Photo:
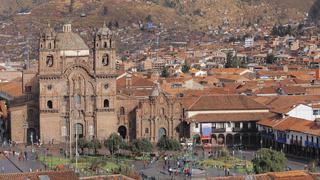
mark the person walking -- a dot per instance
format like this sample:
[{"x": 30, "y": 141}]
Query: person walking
[{"x": 25, "y": 155}]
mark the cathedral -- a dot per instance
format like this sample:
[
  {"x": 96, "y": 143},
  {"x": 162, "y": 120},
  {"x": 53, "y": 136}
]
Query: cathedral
[
  {"x": 77, "y": 85},
  {"x": 76, "y": 91}
]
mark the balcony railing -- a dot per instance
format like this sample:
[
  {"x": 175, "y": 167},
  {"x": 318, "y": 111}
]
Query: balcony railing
[
  {"x": 311, "y": 144},
  {"x": 282, "y": 140},
  {"x": 218, "y": 130},
  {"x": 296, "y": 142}
]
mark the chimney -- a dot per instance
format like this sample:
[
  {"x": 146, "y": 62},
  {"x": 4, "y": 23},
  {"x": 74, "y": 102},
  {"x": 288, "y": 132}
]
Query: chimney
[{"x": 128, "y": 80}]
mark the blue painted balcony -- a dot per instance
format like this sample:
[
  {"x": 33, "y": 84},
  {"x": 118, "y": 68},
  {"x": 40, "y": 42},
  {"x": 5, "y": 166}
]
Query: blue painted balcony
[
  {"x": 311, "y": 144},
  {"x": 282, "y": 140}
]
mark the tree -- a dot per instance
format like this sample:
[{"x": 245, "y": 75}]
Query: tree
[
  {"x": 94, "y": 144},
  {"x": 114, "y": 143},
  {"x": 165, "y": 72},
  {"x": 141, "y": 145},
  {"x": 82, "y": 143},
  {"x": 270, "y": 59},
  {"x": 167, "y": 144},
  {"x": 185, "y": 68},
  {"x": 233, "y": 61},
  {"x": 267, "y": 160}
]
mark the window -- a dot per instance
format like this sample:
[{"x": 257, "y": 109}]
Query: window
[
  {"x": 106, "y": 103},
  {"x": 49, "y": 87},
  {"x": 316, "y": 112},
  {"x": 49, "y": 60},
  {"x": 105, "y": 60},
  {"x": 237, "y": 125},
  {"x": 162, "y": 111},
  {"x": 105, "y": 45},
  {"x": 50, "y": 46},
  {"x": 197, "y": 125},
  {"x": 49, "y": 104},
  {"x": 146, "y": 130}
]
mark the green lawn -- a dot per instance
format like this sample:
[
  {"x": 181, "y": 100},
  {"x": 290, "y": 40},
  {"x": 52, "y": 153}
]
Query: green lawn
[
  {"x": 230, "y": 162},
  {"x": 52, "y": 161}
]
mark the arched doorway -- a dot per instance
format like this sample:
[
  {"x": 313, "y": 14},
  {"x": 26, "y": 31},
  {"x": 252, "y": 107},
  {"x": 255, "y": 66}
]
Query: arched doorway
[
  {"x": 214, "y": 139},
  {"x": 78, "y": 130},
  {"x": 221, "y": 139},
  {"x": 162, "y": 132},
  {"x": 31, "y": 136},
  {"x": 122, "y": 130},
  {"x": 245, "y": 139},
  {"x": 237, "y": 139},
  {"x": 184, "y": 130},
  {"x": 229, "y": 139}
]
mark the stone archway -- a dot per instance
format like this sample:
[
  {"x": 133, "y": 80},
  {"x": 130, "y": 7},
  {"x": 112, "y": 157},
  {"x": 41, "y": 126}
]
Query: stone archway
[
  {"x": 214, "y": 139},
  {"x": 245, "y": 139},
  {"x": 162, "y": 132},
  {"x": 221, "y": 139},
  {"x": 229, "y": 139},
  {"x": 122, "y": 130},
  {"x": 237, "y": 139}
]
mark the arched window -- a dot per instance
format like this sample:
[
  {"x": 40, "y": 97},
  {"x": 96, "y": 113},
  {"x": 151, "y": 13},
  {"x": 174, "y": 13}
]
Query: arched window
[
  {"x": 105, "y": 60},
  {"x": 49, "y": 104},
  {"x": 49, "y": 60},
  {"x": 162, "y": 111},
  {"x": 110, "y": 43},
  {"x": 122, "y": 111},
  {"x": 105, "y": 45},
  {"x": 50, "y": 46},
  {"x": 106, "y": 103}
]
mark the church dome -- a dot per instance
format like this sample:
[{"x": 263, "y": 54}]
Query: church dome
[{"x": 67, "y": 40}]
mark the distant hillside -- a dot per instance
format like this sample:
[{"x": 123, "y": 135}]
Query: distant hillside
[
  {"x": 314, "y": 12},
  {"x": 184, "y": 13}
]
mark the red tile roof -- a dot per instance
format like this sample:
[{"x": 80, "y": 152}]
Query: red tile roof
[
  {"x": 226, "y": 102},
  {"x": 53, "y": 175}
]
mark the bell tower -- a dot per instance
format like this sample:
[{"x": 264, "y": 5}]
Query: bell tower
[
  {"x": 104, "y": 51},
  {"x": 47, "y": 52}
]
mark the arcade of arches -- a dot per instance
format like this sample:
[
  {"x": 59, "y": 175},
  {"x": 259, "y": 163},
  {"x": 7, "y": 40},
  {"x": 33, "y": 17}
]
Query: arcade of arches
[{"x": 246, "y": 139}]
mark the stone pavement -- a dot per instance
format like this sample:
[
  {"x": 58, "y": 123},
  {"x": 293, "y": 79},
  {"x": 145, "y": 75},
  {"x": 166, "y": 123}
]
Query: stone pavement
[{"x": 11, "y": 164}]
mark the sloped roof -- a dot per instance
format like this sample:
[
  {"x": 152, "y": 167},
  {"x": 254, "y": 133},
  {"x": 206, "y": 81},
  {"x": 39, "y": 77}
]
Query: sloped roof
[
  {"x": 13, "y": 88},
  {"x": 56, "y": 175},
  {"x": 226, "y": 102},
  {"x": 136, "y": 82}
]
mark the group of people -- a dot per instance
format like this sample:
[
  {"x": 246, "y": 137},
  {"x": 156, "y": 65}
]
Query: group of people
[{"x": 180, "y": 164}]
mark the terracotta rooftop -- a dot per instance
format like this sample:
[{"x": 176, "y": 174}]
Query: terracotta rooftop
[
  {"x": 286, "y": 175},
  {"x": 284, "y": 103},
  {"x": 135, "y": 81},
  {"x": 226, "y": 102},
  {"x": 53, "y": 175},
  {"x": 13, "y": 88}
]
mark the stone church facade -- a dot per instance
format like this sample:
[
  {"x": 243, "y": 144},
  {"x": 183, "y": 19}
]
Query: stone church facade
[
  {"x": 77, "y": 86},
  {"x": 76, "y": 90}
]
